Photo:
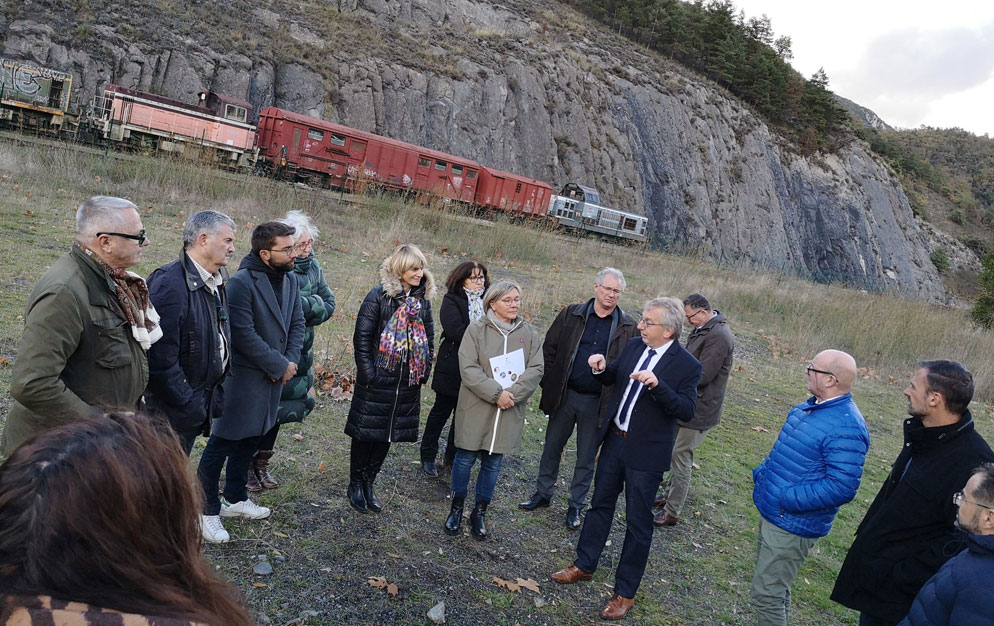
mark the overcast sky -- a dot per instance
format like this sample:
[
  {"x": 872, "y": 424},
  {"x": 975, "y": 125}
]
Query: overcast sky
[{"x": 911, "y": 62}]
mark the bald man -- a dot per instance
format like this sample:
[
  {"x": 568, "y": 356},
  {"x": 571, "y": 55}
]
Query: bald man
[{"x": 814, "y": 467}]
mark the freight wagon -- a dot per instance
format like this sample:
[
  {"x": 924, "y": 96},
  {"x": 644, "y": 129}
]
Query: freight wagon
[{"x": 33, "y": 98}]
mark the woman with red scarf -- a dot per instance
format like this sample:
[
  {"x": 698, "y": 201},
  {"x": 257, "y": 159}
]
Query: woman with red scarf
[{"x": 394, "y": 344}]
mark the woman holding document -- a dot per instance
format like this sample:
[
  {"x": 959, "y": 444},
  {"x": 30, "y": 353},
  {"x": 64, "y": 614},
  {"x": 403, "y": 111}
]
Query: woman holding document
[{"x": 500, "y": 360}]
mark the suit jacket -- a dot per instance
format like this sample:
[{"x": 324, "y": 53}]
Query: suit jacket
[
  {"x": 653, "y": 424},
  {"x": 266, "y": 336}
]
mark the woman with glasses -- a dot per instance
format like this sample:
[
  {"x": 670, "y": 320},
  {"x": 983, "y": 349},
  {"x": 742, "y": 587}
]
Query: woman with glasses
[
  {"x": 500, "y": 361},
  {"x": 317, "y": 303},
  {"x": 462, "y": 304},
  {"x": 394, "y": 344}
]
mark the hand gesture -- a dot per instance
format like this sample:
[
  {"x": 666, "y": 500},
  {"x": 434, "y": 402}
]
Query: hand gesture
[
  {"x": 646, "y": 377},
  {"x": 597, "y": 362},
  {"x": 291, "y": 371},
  {"x": 505, "y": 400}
]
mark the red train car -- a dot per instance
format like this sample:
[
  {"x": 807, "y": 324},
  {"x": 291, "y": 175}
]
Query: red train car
[
  {"x": 510, "y": 192},
  {"x": 340, "y": 156}
]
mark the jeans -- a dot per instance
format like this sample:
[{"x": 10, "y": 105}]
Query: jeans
[
  {"x": 238, "y": 453},
  {"x": 486, "y": 479},
  {"x": 779, "y": 554},
  {"x": 581, "y": 410},
  {"x": 437, "y": 416}
]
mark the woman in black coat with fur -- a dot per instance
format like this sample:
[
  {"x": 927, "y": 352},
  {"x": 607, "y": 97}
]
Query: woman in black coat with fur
[
  {"x": 465, "y": 284},
  {"x": 394, "y": 348}
]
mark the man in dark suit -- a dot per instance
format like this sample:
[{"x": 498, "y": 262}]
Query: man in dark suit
[
  {"x": 655, "y": 384},
  {"x": 267, "y": 332}
]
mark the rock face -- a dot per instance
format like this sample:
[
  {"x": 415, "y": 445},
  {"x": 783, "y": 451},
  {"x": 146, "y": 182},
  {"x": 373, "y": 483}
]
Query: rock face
[{"x": 537, "y": 90}]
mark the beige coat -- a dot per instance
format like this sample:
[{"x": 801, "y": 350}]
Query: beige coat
[{"x": 476, "y": 411}]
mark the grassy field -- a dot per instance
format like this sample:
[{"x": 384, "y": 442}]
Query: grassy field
[{"x": 323, "y": 552}]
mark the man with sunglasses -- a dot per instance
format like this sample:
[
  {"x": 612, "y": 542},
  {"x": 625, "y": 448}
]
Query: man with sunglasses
[
  {"x": 815, "y": 467},
  {"x": 962, "y": 591},
  {"x": 87, "y": 327},
  {"x": 909, "y": 532},
  {"x": 187, "y": 366}
]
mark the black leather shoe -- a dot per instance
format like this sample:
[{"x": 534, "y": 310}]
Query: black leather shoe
[
  {"x": 428, "y": 467},
  {"x": 573, "y": 518},
  {"x": 537, "y": 501},
  {"x": 454, "y": 519},
  {"x": 356, "y": 499}
]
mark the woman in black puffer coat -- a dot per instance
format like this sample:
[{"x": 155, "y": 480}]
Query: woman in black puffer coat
[{"x": 394, "y": 347}]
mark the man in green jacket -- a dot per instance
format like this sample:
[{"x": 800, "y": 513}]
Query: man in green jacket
[{"x": 87, "y": 328}]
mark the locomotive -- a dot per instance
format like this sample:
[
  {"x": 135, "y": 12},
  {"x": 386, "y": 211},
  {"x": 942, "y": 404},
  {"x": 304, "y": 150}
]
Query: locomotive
[{"x": 296, "y": 147}]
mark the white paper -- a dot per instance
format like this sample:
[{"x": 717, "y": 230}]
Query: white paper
[{"x": 507, "y": 368}]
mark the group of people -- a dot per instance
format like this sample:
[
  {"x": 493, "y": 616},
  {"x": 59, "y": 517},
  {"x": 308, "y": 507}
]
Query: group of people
[{"x": 230, "y": 357}]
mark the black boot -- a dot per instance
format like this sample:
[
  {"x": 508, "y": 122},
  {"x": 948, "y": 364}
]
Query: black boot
[
  {"x": 476, "y": 525},
  {"x": 372, "y": 501},
  {"x": 356, "y": 497},
  {"x": 454, "y": 519}
]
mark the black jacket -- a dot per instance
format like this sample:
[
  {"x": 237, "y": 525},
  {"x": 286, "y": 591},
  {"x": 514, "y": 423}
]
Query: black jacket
[
  {"x": 908, "y": 531},
  {"x": 454, "y": 317},
  {"x": 559, "y": 350},
  {"x": 384, "y": 406},
  {"x": 185, "y": 368}
]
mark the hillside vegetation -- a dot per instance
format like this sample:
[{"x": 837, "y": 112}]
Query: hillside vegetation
[{"x": 323, "y": 552}]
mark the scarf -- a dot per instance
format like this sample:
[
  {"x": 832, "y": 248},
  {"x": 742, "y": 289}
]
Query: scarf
[
  {"x": 475, "y": 297},
  {"x": 132, "y": 295},
  {"x": 404, "y": 335}
]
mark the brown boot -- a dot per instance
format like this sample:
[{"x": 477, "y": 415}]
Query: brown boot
[
  {"x": 252, "y": 484},
  {"x": 262, "y": 469}
]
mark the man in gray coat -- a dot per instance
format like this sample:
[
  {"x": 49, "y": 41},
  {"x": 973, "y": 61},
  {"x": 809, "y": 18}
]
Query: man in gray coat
[
  {"x": 267, "y": 331},
  {"x": 710, "y": 343}
]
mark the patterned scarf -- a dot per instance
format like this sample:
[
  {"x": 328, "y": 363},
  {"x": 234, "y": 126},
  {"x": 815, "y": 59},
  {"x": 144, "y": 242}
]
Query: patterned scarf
[
  {"x": 475, "y": 303},
  {"x": 404, "y": 335},
  {"x": 132, "y": 295}
]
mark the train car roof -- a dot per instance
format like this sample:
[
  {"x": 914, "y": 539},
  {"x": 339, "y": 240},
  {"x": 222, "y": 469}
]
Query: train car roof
[
  {"x": 518, "y": 177},
  {"x": 157, "y": 98},
  {"x": 348, "y": 130}
]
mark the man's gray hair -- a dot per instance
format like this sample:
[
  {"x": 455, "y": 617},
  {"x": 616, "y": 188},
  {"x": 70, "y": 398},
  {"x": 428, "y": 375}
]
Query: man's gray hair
[
  {"x": 204, "y": 222},
  {"x": 610, "y": 271},
  {"x": 672, "y": 318},
  {"x": 300, "y": 223},
  {"x": 101, "y": 213},
  {"x": 498, "y": 290}
]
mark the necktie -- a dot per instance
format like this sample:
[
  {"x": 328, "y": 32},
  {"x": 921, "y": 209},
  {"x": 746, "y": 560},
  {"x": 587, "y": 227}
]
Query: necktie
[{"x": 633, "y": 390}]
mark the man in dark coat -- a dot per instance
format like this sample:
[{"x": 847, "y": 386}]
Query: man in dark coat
[
  {"x": 908, "y": 531},
  {"x": 267, "y": 331},
  {"x": 962, "y": 592},
  {"x": 87, "y": 328},
  {"x": 655, "y": 382},
  {"x": 710, "y": 343},
  {"x": 570, "y": 395},
  {"x": 187, "y": 365}
]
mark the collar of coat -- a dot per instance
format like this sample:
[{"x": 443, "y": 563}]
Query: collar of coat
[
  {"x": 810, "y": 405},
  {"x": 981, "y": 545},
  {"x": 618, "y": 314},
  {"x": 919, "y": 435},
  {"x": 716, "y": 319},
  {"x": 392, "y": 287},
  {"x": 193, "y": 280}
]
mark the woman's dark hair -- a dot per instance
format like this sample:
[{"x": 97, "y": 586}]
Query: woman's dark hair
[
  {"x": 463, "y": 271},
  {"x": 103, "y": 511}
]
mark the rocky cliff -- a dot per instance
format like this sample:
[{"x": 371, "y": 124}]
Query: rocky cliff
[{"x": 534, "y": 89}]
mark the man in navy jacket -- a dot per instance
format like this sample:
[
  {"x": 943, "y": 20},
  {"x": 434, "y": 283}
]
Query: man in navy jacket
[
  {"x": 815, "y": 466},
  {"x": 962, "y": 592},
  {"x": 655, "y": 384}
]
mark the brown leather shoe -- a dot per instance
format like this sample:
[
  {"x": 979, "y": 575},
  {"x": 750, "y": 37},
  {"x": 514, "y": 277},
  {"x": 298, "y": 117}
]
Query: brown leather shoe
[
  {"x": 659, "y": 502},
  {"x": 663, "y": 518},
  {"x": 617, "y": 607},
  {"x": 570, "y": 575}
]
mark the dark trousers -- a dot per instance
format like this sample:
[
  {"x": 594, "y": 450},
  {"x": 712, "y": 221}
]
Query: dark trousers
[
  {"x": 865, "y": 619},
  {"x": 640, "y": 487},
  {"x": 187, "y": 439},
  {"x": 269, "y": 439},
  {"x": 366, "y": 458},
  {"x": 580, "y": 410},
  {"x": 238, "y": 453},
  {"x": 444, "y": 407}
]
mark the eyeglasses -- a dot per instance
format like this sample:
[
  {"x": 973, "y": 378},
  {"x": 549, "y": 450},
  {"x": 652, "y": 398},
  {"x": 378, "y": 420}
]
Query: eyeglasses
[
  {"x": 287, "y": 250},
  {"x": 477, "y": 279},
  {"x": 810, "y": 369},
  {"x": 611, "y": 290},
  {"x": 510, "y": 301},
  {"x": 304, "y": 245},
  {"x": 691, "y": 317},
  {"x": 647, "y": 323},
  {"x": 140, "y": 237},
  {"x": 959, "y": 499}
]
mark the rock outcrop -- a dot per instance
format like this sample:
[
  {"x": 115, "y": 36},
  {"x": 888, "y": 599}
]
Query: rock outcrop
[{"x": 536, "y": 90}]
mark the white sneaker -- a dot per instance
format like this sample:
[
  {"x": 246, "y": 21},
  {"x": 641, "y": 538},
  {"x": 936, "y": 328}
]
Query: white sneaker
[
  {"x": 213, "y": 530},
  {"x": 246, "y": 508}
]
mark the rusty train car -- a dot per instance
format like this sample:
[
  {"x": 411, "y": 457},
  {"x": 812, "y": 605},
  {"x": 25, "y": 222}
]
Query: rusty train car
[{"x": 34, "y": 98}]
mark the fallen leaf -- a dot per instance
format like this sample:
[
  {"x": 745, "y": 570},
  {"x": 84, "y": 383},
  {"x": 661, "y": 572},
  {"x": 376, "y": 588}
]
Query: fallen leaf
[
  {"x": 298, "y": 436},
  {"x": 510, "y": 585},
  {"x": 759, "y": 429},
  {"x": 29, "y": 212},
  {"x": 279, "y": 534},
  {"x": 392, "y": 555},
  {"x": 392, "y": 589},
  {"x": 530, "y": 584},
  {"x": 378, "y": 582},
  {"x": 260, "y": 585},
  {"x": 323, "y": 466}
]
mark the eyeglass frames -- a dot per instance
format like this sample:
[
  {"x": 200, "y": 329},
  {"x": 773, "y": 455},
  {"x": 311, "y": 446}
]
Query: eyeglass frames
[{"x": 140, "y": 237}]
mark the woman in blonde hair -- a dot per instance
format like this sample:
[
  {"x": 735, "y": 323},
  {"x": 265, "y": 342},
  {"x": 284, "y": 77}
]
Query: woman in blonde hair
[{"x": 394, "y": 344}]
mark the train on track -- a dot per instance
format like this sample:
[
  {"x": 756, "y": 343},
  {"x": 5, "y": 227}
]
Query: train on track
[{"x": 293, "y": 146}]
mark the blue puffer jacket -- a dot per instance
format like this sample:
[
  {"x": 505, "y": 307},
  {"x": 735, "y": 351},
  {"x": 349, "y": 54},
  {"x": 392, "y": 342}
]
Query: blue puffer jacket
[
  {"x": 814, "y": 468},
  {"x": 962, "y": 592}
]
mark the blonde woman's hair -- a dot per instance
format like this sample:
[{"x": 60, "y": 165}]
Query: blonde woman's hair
[{"x": 407, "y": 256}]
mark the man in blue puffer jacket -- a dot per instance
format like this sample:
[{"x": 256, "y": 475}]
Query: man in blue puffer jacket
[
  {"x": 962, "y": 592},
  {"x": 814, "y": 468}
]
